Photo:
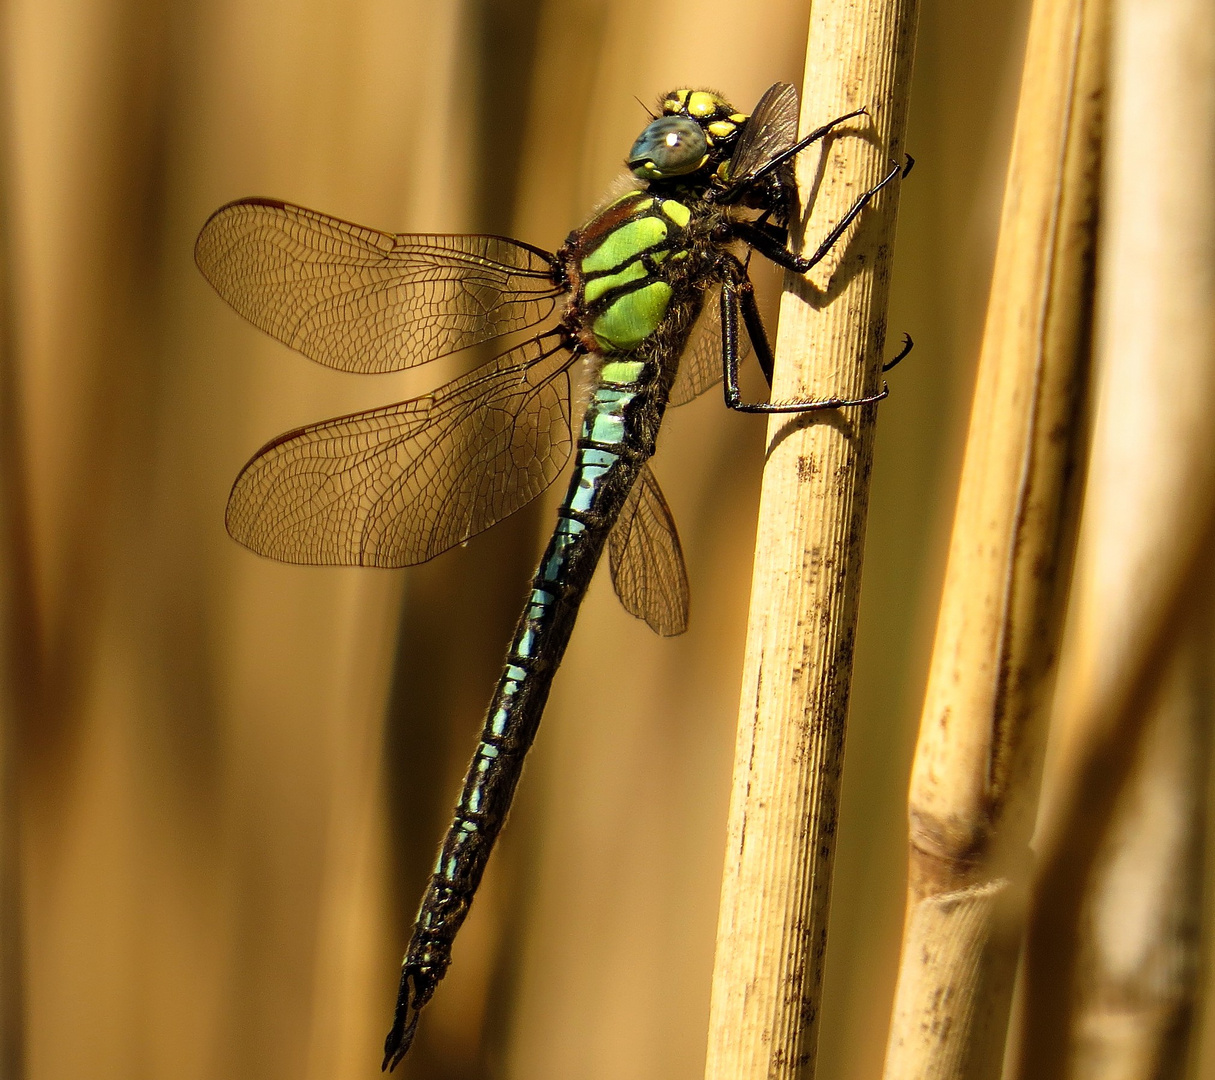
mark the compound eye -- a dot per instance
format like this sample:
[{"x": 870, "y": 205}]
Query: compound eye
[{"x": 670, "y": 146}]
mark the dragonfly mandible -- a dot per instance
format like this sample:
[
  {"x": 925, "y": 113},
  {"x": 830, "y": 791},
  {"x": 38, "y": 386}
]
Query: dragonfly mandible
[{"x": 651, "y": 291}]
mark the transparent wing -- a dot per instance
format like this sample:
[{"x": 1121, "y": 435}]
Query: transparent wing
[
  {"x": 771, "y": 128},
  {"x": 360, "y": 300},
  {"x": 398, "y": 485},
  {"x": 700, "y": 367},
  {"x": 647, "y": 561}
]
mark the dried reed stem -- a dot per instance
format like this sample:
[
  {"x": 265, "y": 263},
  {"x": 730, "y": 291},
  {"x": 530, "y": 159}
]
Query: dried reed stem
[
  {"x": 1149, "y": 514},
  {"x": 18, "y": 635},
  {"x": 975, "y": 778},
  {"x": 773, "y": 921},
  {"x": 1139, "y": 957},
  {"x": 1097, "y": 767}
]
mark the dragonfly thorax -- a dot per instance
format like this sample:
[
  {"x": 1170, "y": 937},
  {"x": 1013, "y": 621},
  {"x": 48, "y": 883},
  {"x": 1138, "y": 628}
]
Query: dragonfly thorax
[{"x": 636, "y": 270}]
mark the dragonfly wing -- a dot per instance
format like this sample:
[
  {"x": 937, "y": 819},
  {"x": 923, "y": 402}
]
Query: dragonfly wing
[
  {"x": 648, "y": 571},
  {"x": 771, "y": 129},
  {"x": 398, "y": 485},
  {"x": 701, "y": 366},
  {"x": 360, "y": 300}
]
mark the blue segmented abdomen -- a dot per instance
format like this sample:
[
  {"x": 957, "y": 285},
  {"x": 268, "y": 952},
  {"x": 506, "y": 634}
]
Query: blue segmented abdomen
[
  {"x": 581, "y": 529},
  {"x": 610, "y": 452}
]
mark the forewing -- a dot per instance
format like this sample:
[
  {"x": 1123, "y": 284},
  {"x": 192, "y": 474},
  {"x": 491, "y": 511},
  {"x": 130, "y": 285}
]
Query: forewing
[
  {"x": 701, "y": 366},
  {"x": 398, "y": 485},
  {"x": 647, "y": 562},
  {"x": 771, "y": 129},
  {"x": 360, "y": 300}
]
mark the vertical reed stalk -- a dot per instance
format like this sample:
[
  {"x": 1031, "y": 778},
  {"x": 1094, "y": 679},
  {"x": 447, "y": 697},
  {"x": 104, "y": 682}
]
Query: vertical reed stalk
[
  {"x": 1149, "y": 514},
  {"x": 1139, "y": 958},
  {"x": 978, "y": 759},
  {"x": 18, "y": 638},
  {"x": 772, "y": 926}
]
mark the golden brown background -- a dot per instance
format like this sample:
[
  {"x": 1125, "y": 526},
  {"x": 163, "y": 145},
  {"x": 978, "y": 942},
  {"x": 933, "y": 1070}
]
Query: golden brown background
[{"x": 229, "y": 776}]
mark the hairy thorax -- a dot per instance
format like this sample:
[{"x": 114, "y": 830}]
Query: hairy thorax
[{"x": 638, "y": 271}]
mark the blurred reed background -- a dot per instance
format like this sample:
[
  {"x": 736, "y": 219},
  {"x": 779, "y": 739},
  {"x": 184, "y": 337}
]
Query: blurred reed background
[{"x": 229, "y": 776}]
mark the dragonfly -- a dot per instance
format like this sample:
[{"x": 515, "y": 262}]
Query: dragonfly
[{"x": 648, "y": 299}]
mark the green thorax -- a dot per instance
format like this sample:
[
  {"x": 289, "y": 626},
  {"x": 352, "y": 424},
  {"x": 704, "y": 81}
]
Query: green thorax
[{"x": 627, "y": 265}]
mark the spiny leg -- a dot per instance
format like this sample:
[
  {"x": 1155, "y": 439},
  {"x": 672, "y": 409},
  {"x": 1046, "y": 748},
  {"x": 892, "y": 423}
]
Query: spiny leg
[
  {"x": 767, "y": 246},
  {"x": 777, "y": 234},
  {"x": 801, "y": 144},
  {"x": 908, "y": 345},
  {"x": 731, "y": 295},
  {"x": 753, "y": 321}
]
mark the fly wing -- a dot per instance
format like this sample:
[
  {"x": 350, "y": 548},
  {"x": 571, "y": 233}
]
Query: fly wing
[
  {"x": 398, "y": 485},
  {"x": 771, "y": 129},
  {"x": 701, "y": 366},
  {"x": 647, "y": 560},
  {"x": 365, "y": 301}
]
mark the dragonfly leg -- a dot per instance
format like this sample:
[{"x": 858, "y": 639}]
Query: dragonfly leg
[
  {"x": 801, "y": 144},
  {"x": 779, "y": 234},
  {"x": 732, "y": 294},
  {"x": 766, "y": 245},
  {"x": 754, "y": 323},
  {"x": 908, "y": 345}
]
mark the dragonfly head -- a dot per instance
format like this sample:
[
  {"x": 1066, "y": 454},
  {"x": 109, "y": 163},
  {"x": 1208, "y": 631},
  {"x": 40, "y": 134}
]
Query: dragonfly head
[{"x": 696, "y": 131}]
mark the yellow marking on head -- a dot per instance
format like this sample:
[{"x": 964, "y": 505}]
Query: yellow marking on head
[
  {"x": 675, "y": 101},
  {"x": 722, "y": 128},
  {"x": 701, "y": 103}
]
